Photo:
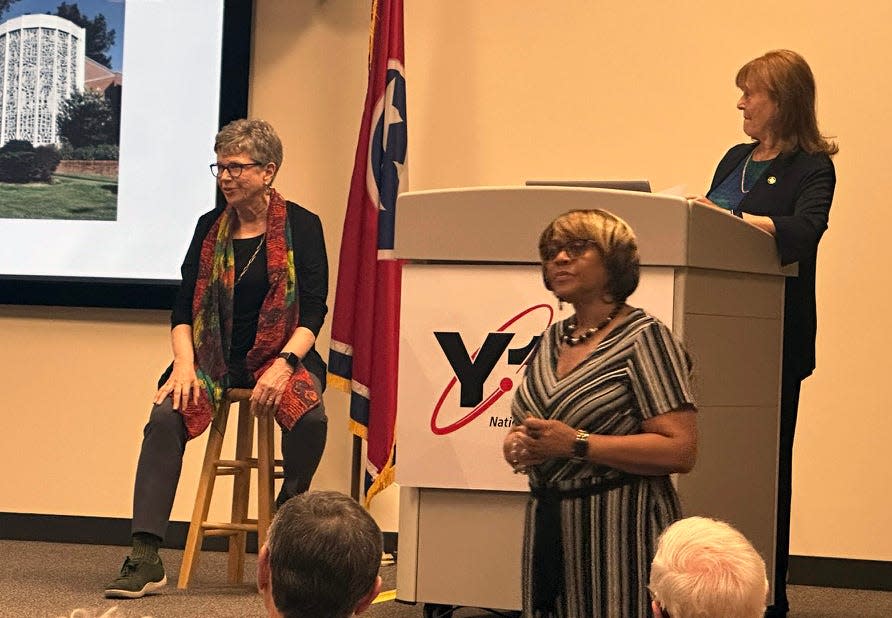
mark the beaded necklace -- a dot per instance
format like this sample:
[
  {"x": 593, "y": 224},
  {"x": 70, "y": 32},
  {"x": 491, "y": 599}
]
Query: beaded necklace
[{"x": 568, "y": 338}]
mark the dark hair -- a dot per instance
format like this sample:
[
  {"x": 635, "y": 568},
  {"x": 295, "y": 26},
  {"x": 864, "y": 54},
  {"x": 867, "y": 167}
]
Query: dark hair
[
  {"x": 612, "y": 236},
  {"x": 324, "y": 554},
  {"x": 787, "y": 78}
]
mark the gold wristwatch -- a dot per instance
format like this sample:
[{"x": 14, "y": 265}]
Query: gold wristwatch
[{"x": 580, "y": 446}]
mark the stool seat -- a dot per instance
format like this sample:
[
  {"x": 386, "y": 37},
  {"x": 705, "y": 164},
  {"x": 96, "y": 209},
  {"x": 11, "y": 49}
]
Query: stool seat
[{"x": 268, "y": 469}]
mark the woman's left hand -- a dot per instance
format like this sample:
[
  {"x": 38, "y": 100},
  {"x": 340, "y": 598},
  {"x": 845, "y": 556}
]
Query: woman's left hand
[
  {"x": 546, "y": 439},
  {"x": 267, "y": 393},
  {"x": 705, "y": 201}
]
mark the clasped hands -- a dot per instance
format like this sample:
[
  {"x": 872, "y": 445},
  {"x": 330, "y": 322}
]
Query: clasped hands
[{"x": 535, "y": 441}]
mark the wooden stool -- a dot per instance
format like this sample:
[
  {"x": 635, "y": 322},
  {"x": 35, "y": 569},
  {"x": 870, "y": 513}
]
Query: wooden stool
[{"x": 240, "y": 469}]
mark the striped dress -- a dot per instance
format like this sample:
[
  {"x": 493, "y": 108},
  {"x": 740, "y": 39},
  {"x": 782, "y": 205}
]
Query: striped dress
[{"x": 604, "y": 523}]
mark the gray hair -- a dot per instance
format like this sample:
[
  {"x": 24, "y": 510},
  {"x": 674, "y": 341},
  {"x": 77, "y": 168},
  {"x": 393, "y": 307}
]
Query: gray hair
[
  {"x": 324, "y": 554},
  {"x": 254, "y": 137}
]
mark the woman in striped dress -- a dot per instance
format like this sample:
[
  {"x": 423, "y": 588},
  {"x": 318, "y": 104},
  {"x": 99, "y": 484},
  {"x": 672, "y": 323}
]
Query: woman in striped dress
[{"x": 604, "y": 415}]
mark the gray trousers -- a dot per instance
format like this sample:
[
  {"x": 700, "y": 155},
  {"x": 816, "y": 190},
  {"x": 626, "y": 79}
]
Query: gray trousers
[{"x": 161, "y": 460}]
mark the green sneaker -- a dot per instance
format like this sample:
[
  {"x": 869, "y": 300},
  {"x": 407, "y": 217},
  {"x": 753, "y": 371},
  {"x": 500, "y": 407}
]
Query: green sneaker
[{"x": 137, "y": 579}]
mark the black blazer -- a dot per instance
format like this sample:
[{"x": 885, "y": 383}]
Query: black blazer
[{"x": 795, "y": 191}]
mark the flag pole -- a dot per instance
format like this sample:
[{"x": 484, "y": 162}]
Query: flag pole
[{"x": 355, "y": 465}]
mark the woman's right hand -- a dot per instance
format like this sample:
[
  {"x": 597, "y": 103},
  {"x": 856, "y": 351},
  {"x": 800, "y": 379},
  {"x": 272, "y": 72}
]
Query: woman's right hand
[
  {"x": 705, "y": 201},
  {"x": 182, "y": 384},
  {"x": 510, "y": 444},
  {"x": 514, "y": 448}
]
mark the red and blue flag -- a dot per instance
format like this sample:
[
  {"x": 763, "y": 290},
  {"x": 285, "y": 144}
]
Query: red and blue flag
[{"x": 363, "y": 358}]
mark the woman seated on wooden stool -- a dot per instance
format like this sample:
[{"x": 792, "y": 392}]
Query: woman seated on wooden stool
[{"x": 252, "y": 301}]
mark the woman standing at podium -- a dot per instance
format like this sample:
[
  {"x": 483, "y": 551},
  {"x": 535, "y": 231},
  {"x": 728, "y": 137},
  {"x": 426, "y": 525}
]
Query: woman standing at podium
[
  {"x": 604, "y": 415},
  {"x": 782, "y": 182}
]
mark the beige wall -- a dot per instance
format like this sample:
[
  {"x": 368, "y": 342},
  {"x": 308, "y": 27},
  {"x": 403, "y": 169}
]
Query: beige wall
[{"x": 501, "y": 91}]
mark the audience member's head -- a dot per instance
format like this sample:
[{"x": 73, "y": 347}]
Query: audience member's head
[
  {"x": 111, "y": 612},
  {"x": 706, "y": 569},
  {"x": 321, "y": 558}
]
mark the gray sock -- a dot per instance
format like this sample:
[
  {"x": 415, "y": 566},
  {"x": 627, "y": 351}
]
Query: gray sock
[{"x": 145, "y": 547}]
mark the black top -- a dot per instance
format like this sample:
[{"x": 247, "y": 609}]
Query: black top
[
  {"x": 795, "y": 191},
  {"x": 247, "y": 299},
  {"x": 311, "y": 266}
]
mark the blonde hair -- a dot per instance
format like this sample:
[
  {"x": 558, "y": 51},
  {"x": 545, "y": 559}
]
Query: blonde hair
[
  {"x": 705, "y": 568},
  {"x": 254, "y": 137},
  {"x": 613, "y": 238},
  {"x": 788, "y": 79}
]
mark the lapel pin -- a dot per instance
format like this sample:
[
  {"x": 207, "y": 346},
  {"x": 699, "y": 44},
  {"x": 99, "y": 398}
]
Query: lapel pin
[{"x": 772, "y": 180}]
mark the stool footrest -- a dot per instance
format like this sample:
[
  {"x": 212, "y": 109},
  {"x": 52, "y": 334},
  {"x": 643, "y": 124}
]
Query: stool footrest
[
  {"x": 229, "y": 527},
  {"x": 215, "y": 532},
  {"x": 244, "y": 464},
  {"x": 250, "y": 462}
]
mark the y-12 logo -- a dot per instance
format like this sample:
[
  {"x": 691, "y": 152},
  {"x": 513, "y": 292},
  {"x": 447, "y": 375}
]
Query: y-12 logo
[{"x": 472, "y": 370}]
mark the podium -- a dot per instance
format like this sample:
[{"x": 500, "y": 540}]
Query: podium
[{"x": 472, "y": 292}]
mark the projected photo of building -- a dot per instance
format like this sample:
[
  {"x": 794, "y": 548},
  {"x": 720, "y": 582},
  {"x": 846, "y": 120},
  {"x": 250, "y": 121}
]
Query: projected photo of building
[
  {"x": 60, "y": 102},
  {"x": 42, "y": 60}
]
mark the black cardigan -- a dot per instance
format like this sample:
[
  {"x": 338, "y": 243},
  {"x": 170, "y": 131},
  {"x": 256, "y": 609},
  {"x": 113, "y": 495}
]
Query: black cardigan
[
  {"x": 310, "y": 264},
  {"x": 795, "y": 192}
]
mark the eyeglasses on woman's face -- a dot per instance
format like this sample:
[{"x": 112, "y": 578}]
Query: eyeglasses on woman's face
[
  {"x": 574, "y": 248},
  {"x": 235, "y": 169}
]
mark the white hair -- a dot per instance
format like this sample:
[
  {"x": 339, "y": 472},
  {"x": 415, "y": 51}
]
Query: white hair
[
  {"x": 704, "y": 568},
  {"x": 111, "y": 612}
]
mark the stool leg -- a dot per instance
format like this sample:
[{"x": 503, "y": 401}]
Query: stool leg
[
  {"x": 265, "y": 475},
  {"x": 240, "y": 492},
  {"x": 203, "y": 497}
]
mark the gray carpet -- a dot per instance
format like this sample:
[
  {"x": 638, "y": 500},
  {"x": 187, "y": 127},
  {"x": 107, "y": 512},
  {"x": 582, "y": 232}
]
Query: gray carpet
[{"x": 50, "y": 580}]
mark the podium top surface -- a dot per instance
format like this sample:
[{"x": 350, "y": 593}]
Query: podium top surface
[{"x": 503, "y": 224}]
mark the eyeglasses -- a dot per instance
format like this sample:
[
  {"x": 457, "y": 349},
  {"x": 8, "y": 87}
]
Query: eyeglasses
[
  {"x": 575, "y": 248},
  {"x": 235, "y": 169}
]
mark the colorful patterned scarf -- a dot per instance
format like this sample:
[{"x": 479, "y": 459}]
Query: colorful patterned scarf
[{"x": 212, "y": 320}]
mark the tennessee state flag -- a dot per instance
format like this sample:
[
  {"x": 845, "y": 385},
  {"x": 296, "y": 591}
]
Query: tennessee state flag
[{"x": 365, "y": 329}]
